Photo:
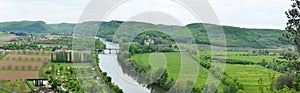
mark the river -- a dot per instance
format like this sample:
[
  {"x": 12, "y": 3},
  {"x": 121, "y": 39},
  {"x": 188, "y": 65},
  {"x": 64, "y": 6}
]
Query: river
[{"x": 109, "y": 63}]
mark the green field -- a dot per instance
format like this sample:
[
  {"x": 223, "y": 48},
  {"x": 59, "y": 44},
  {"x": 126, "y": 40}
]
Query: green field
[
  {"x": 4, "y": 34},
  {"x": 4, "y": 91},
  {"x": 49, "y": 45},
  {"x": 246, "y": 74},
  {"x": 249, "y": 74},
  {"x": 173, "y": 65},
  {"x": 255, "y": 59},
  {"x": 15, "y": 85},
  {"x": 57, "y": 65},
  {"x": 236, "y": 55}
]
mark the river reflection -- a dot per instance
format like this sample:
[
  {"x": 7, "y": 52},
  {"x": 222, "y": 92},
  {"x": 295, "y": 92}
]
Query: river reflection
[{"x": 122, "y": 75}]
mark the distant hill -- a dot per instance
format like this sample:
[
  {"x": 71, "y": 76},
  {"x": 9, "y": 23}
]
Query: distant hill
[
  {"x": 241, "y": 37},
  {"x": 235, "y": 36},
  {"x": 25, "y": 26},
  {"x": 63, "y": 27}
]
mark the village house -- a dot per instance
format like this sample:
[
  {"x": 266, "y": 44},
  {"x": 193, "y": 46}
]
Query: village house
[{"x": 148, "y": 42}]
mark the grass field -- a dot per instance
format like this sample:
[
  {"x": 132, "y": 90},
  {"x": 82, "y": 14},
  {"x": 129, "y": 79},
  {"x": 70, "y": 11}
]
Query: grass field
[
  {"x": 4, "y": 91},
  {"x": 246, "y": 74},
  {"x": 17, "y": 85},
  {"x": 255, "y": 59},
  {"x": 4, "y": 34},
  {"x": 173, "y": 65},
  {"x": 236, "y": 55},
  {"x": 249, "y": 74}
]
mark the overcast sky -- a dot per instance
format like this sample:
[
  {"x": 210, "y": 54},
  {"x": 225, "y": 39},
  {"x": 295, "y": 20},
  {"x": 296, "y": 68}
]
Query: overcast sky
[{"x": 242, "y": 13}]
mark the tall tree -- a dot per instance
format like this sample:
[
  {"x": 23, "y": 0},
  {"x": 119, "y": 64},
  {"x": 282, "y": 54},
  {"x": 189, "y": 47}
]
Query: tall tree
[
  {"x": 293, "y": 29},
  {"x": 293, "y": 25}
]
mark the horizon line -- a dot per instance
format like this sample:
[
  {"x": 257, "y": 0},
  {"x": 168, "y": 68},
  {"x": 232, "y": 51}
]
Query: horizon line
[{"x": 232, "y": 25}]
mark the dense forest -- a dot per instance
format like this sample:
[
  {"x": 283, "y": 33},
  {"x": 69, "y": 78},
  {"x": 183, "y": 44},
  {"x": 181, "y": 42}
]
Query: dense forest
[
  {"x": 25, "y": 26},
  {"x": 235, "y": 36},
  {"x": 67, "y": 27}
]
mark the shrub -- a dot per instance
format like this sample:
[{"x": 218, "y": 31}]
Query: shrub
[{"x": 284, "y": 80}]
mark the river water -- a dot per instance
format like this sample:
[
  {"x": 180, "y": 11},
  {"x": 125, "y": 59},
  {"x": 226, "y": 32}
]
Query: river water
[{"x": 109, "y": 63}]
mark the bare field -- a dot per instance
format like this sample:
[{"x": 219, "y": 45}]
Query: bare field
[
  {"x": 7, "y": 38},
  {"x": 16, "y": 75},
  {"x": 14, "y": 57}
]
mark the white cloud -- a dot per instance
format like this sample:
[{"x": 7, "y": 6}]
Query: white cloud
[
  {"x": 252, "y": 13},
  {"x": 51, "y": 11},
  {"x": 154, "y": 11}
]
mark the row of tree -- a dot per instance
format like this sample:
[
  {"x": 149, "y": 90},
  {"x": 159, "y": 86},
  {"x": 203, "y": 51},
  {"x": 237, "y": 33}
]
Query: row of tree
[
  {"x": 277, "y": 65},
  {"x": 288, "y": 82},
  {"x": 20, "y": 46},
  {"x": 61, "y": 56},
  {"x": 21, "y": 67},
  {"x": 99, "y": 44},
  {"x": 106, "y": 78},
  {"x": 144, "y": 73}
]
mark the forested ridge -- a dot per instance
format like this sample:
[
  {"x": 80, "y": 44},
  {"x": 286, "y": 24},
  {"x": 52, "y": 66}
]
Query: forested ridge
[
  {"x": 25, "y": 26},
  {"x": 235, "y": 36}
]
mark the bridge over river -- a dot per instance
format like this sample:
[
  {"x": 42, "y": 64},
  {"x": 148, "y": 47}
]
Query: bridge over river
[
  {"x": 121, "y": 75},
  {"x": 107, "y": 50}
]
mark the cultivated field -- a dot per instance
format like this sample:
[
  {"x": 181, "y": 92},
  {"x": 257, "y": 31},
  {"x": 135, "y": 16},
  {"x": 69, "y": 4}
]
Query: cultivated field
[
  {"x": 6, "y": 37},
  {"x": 241, "y": 56},
  {"x": 21, "y": 65},
  {"x": 26, "y": 52},
  {"x": 25, "y": 58},
  {"x": 249, "y": 75},
  {"x": 17, "y": 75}
]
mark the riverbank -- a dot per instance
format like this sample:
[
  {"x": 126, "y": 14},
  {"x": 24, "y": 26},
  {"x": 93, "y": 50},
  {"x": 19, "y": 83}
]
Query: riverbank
[{"x": 109, "y": 63}]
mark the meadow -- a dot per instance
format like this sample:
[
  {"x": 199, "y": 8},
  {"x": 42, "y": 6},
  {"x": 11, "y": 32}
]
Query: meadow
[
  {"x": 4, "y": 91},
  {"x": 16, "y": 85},
  {"x": 243, "y": 56},
  {"x": 246, "y": 74},
  {"x": 249, "y": 75},
  {"x": 173, "y": 63}
]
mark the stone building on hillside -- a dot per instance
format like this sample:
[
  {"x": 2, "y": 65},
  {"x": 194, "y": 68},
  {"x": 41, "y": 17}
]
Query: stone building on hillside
[{"x": 148, "y": 42}]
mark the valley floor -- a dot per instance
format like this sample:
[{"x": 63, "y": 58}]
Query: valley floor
[{"x": 248, "y": 75}]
